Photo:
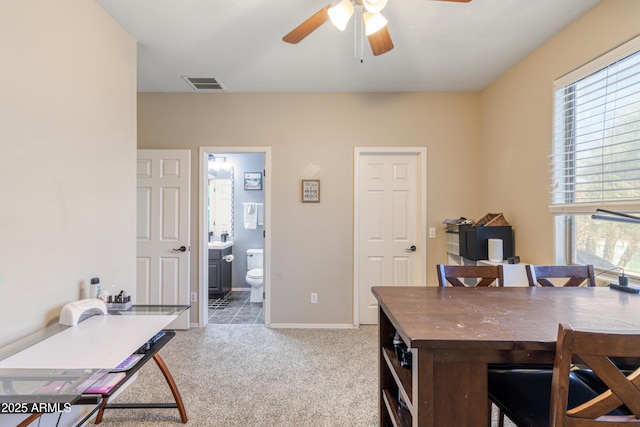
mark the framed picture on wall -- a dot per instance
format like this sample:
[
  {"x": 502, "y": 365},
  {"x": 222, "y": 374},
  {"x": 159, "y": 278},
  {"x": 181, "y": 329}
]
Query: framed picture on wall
[
  {"x": 311, "y": 191},
  {"x": 253, "y": 181}
]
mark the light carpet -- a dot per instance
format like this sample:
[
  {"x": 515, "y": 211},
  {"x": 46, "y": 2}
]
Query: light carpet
[{"x": 250, "y": 375}]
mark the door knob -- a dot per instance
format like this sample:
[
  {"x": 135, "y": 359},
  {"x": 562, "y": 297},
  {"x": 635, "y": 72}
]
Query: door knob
[
  {"x": 411, "y": 248},
  {"x": 180, "y": 249}
]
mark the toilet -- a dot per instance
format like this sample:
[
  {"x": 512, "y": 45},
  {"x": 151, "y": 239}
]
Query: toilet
[{"x": 255, "y": 274}]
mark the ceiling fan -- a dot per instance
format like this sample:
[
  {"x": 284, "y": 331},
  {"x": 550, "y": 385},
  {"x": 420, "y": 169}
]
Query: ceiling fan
[{"x": 375, "y": 25}]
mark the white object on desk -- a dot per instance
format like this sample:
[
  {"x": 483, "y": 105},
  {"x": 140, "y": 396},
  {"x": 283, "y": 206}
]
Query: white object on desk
[
  {"x": 514, "y": 274},
  {"x": 495, "y": 250},
  {"x": 73, "y": 312},
  {"x": 100, "y": 342}
]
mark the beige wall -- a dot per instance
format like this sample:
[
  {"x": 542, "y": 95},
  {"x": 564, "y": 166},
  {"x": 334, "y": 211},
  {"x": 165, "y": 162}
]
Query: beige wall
[
  {"x": 67, "y": 162},
  {"x": 312, "y": 243},
  {"x": 517, "y": 111}
]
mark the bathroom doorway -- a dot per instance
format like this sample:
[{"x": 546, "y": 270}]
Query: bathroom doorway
[{"x": 234, "y": 219}]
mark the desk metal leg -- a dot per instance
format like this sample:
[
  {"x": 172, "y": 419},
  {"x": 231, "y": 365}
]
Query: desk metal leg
[
  {"x": 172, "y": 386},
  {"x": 103, "y": 406},
  {"x": 31, "y": 418}
]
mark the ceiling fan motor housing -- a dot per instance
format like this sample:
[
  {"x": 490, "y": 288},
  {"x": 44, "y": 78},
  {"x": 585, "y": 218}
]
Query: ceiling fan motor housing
[{"x": 374, "y": 6}]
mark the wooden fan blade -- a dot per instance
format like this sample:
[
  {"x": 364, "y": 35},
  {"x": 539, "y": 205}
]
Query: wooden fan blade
[
  {"x": 307, "y": 27},
  {"x": 380, "y": 41}
]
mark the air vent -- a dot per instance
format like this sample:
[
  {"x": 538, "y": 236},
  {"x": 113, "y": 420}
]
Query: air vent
[{"x": 204, "y": 83}]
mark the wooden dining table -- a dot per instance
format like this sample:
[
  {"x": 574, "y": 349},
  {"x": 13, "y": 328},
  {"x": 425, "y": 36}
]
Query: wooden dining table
[{"x": 454, "y": 333}]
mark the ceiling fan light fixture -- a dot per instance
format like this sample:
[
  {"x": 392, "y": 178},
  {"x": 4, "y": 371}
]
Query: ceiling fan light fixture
[
  {"x": 374, "y": 6},
  {"x": 341, "y": 13},
  {"x": 373, "y": 22}
]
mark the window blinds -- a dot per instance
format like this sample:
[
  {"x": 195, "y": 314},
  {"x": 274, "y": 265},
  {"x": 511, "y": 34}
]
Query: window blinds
[{"x": 596, "y": 151}]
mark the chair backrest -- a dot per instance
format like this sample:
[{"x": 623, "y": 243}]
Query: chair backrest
[
  {"x": 594, "y": 349},
  {"x": 487, "y": 275},
  {"x": 576, "y": 275}
]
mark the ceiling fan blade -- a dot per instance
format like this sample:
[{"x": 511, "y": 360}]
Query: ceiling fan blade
[
  {"x": 458, "y": 1},
  {"x": 307, "y": 27},
  {"x": 380, "y": 42}
]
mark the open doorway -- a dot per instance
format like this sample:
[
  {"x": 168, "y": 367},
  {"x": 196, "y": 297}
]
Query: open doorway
[{"x": 234, "y": 235}]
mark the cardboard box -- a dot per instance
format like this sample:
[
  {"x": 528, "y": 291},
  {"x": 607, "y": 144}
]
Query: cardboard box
[{"x": 474, "y": 241}]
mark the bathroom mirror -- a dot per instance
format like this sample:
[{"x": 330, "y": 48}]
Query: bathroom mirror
[{"x": 220, "y": 199}]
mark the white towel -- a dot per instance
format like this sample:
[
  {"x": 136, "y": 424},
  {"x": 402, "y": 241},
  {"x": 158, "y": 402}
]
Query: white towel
[
  {"x": 260, "y": 213},
  {"x": 250, "y": 216}
]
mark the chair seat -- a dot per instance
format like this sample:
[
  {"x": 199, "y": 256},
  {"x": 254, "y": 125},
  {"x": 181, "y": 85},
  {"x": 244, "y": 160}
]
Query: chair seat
[{"x": 524, "y": 395}]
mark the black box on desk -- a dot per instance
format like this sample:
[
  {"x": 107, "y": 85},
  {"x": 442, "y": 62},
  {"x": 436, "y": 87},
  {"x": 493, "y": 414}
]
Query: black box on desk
[{"x": 474, "y": 241}]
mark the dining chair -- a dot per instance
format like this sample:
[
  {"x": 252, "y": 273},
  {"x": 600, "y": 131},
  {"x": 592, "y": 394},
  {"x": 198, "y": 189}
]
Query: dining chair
[
  {"x": 575, "y": 275},
  {"x": 560, "y": 397},
  {"x": 485, "y": 275}
]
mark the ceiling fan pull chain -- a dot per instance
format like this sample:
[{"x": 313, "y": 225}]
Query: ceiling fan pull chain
[
  {"x": 355, "y": 37},
  {"x": 361, "y": 38}
]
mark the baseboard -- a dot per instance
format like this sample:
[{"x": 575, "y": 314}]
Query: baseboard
[{"x": 311, "y": 326}]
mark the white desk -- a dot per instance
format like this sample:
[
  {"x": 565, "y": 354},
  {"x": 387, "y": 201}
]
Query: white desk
[
  {"x": 69, "y": 355},
  {"x": 100, "y": 342}
]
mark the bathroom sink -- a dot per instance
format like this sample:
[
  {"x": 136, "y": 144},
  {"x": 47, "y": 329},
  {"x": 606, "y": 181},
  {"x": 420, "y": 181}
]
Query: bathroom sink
[{"x": 220, "y": 245}]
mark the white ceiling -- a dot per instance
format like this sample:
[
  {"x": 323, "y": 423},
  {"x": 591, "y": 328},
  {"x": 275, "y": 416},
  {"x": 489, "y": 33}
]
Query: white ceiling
[{"x": 439, "y": 46}]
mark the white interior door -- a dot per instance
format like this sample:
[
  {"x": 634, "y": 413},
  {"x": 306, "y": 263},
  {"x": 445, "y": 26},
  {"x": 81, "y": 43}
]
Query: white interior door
[
  {"x": 163, "y": 229},
  {"x": 390, "y": 242}
]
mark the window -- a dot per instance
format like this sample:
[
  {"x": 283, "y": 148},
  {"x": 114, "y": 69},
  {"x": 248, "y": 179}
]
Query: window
[{"x": 596, "y": 161}]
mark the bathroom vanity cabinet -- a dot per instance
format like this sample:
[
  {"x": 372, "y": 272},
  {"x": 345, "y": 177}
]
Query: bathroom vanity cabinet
[{"x": 219, "y": 272}]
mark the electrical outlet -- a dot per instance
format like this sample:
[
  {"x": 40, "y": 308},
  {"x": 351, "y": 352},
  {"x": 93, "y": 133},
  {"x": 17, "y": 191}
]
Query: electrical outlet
[
  {"x": 194, "y": 297},
  {"x": 314, "y": 298},
  {"x": 432, "y": 233}
]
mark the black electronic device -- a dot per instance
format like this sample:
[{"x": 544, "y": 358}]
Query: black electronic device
[
  {"x": 513, "y": 259},
  {"x": 473, "y": 241},
  {"x": 403, "y": 354},
  {"x": 146, "y": 346},
  {"x": 629, "y": 289}
]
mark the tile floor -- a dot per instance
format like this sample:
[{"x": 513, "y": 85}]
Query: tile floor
[{"x": 235, "y": 308}]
